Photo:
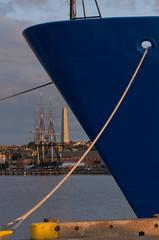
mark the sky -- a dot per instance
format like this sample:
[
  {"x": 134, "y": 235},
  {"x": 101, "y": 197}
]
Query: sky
[{"x": 20, "y": 70}]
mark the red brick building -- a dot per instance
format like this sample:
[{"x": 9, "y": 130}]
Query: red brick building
[{"x": 92, "y": 160}]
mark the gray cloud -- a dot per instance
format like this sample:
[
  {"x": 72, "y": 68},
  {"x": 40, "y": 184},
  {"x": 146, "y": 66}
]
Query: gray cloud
[
  {"x": 31, "y": 2},
  {"x": 34, "y": 10},
  {"x": 127, "y": 7},
  {"x": 8, "y": 5},
  {"x": 156, "y": 6}
]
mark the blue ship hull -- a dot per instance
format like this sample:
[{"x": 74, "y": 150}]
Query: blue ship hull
[{"x": 91, "y": 62}]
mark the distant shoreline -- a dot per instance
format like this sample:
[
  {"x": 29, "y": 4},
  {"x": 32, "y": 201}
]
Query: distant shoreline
[{"x": 54, "y": 172}]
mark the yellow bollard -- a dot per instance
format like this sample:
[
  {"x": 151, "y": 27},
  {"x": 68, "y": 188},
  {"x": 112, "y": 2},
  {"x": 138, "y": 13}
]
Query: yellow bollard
[
  {"x": 44, "y": 231},
  {"x": 5, "y": 234}
]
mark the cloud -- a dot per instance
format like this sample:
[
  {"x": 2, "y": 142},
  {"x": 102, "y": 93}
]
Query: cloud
[
  {"x": 10, "y": 5},
  {"x": 31, "y": 2},
  {"x": 156, "y": 6},
  {"x": 127, "y": 7},
  {"x": 35, "y": 10}
]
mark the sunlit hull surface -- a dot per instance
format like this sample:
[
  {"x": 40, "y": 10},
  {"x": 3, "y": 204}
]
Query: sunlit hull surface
[{"x": 91, "y": 62}]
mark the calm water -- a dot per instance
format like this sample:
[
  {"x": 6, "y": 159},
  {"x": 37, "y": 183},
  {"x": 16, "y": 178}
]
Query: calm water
[{"x": 81, "y": 198}]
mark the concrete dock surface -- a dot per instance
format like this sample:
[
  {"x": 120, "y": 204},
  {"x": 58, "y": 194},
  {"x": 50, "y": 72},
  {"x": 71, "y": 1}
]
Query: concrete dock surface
[
  {"x": 112, "y": 238},
  {"x": 116, "y": 238},
  {"x": 90, "y": 230}
]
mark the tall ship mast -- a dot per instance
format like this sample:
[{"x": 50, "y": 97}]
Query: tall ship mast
[{"x": 91, "y": 61}]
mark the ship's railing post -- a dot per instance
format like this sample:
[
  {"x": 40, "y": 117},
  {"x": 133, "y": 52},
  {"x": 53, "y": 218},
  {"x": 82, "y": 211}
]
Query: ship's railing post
[{"x": 72, "y": 9}]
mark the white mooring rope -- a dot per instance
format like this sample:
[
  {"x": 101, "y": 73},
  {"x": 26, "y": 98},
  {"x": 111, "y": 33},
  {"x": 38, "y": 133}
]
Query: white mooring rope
[{"x": 14, "y": 224}]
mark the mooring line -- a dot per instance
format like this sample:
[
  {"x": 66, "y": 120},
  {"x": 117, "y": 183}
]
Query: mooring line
[{"x": 16, "y": 223}]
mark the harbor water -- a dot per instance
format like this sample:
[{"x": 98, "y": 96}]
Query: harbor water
[{"x": 81, "y": 198}]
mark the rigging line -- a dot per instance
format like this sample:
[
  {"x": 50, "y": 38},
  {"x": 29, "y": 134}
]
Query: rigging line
[
  {"x": 84, "y": 8},
  {"x": 26, "y": 91},
  {"x": 98, "y": 9},
  {"x": 17, "y": 222}
]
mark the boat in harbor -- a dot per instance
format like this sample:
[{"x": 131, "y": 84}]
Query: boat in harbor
[{"x": 91, "y": 60}]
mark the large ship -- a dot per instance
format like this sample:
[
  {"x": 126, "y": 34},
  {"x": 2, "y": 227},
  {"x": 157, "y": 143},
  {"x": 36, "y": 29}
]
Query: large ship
[{"x": 91, "y": 61}]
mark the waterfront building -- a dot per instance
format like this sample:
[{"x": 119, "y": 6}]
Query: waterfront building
[{"x": 92, "y": 160}]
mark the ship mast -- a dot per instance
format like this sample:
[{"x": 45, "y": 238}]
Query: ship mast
[{"x": 72, "y": 9}]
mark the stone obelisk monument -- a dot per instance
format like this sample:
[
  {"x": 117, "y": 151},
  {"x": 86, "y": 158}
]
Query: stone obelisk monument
[{"x": 64, "y": 130}]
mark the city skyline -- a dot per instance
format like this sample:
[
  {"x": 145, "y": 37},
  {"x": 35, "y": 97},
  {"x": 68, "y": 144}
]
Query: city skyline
[{"x": 20, "y": 70}]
